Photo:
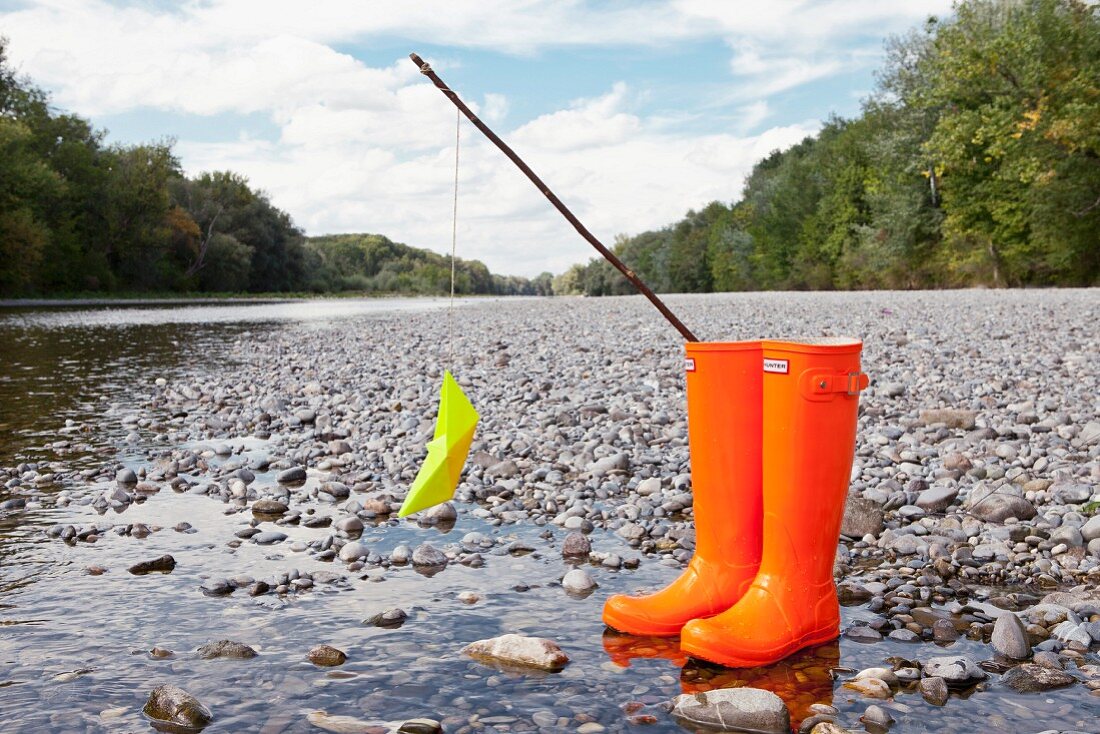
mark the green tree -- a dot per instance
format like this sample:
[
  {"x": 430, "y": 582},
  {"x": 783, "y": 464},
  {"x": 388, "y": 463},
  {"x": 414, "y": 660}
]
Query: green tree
[{"x": 1018, "y": 138}]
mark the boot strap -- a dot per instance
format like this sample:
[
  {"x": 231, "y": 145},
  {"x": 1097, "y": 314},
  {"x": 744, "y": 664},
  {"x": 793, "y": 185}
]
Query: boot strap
[{"x": 823, "y": 383}]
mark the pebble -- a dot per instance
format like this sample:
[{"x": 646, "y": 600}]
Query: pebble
[
  {"x": 578, "y": 581},
  {"x": 521, "y": 651},
  {"x": 733, "y": 709},
  {"x": 934, "y": 690},
  {"x": 1032, "y": 678},
  {"x": 354, "y": 551},
  {"x": 269, "y": 507},
  {"x": 576, "y": 545},
  {"x": 174, "y": 705},
  {"x": 428, "y": 555},
  {"x": 292, "y": 475},
  {"x": 877, "y": 716},
  {"x": 390, "y": 618},
  {"x": 327, "y": 656},
  {"x": 164, "y": 564},
  {"x": 1010, "y": 638},
  {"x": 957, "y": 671},
  {"x": 226, "y": 649}
]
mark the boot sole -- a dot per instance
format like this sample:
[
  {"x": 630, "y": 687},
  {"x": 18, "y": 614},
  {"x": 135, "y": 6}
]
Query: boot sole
[
  {"x": 651, "y": 630},
  {"x": 810, "y": 639}
]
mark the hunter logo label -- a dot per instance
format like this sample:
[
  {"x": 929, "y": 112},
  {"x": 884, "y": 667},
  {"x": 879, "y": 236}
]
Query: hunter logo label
[
  {"x": 777, "y": 366},
  {"x": 689, "y": 364}
]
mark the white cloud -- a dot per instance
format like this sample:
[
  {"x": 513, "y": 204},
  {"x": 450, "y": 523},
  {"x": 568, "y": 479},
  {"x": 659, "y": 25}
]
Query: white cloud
[
  {"x": 369, "y": 148},
  {"x": 617, "y": 173}
]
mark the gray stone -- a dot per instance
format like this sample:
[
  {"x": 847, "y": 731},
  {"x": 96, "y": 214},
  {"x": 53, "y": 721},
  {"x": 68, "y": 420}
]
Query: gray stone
[
  {"x": 1032, "y": 678},
  {"x": 176, "y": 706},
  {"x": 1069, "y": 535},
  {"x": 943, "y": 630},
  {"x": 292, "y": 475},
  {"x": 401, "y": 555},
  {"x": 517, "y": 650},
  {"x": 576, "y": 545},
  {"x": 1010, "y": 638},
  {"x": 217, "y": 587},
  {"x": 336, "y": 490},
  {"x": 420, "y": 726},
  {"x": 877, "y": 716},
  {"x": 861, "y": 517},
  {"x": 428, "y": 555},
  {"x": 907, "y": 544},
  {"x": 997, "y": 504},
  {"x": 164, "y": 564},
  {"x": 269, "y": 507},
  {"x": 349, "y": 525},
  {"x": 617, "y": 462},
  {"x": 327, "y": 656},
  {"x": 439, "y": 515},
  {"x": 1090, "y": 531},
  {"x": 1069, "y": 493},
  {"x": 503, "y": 469},
  {"x": 733, "y": 709},
  {"x": 951, "y": 417},
  {"x": 1072, "y": 632},
  {"x": 269, "y": 537},
  {"x": 934, "y": 690},
  {"x": 957, "y": 671},
  {"x": 226, "y": 649},
  {"x": 354, "y": 551},
  {"x": 390, "y": 618},
  {"x": 578, "y": 581},
  {"x": 937, "y": 498},
  {"x": 863, "y": 633}
]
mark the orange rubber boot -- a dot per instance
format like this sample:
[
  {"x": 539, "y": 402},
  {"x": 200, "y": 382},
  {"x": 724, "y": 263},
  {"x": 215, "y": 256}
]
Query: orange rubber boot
[
  {"x": 724, "y": 385},
  {"x": 811, "y": 394}
]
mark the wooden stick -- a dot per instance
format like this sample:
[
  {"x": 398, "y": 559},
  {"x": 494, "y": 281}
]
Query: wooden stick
[{"x": 426, "y": 70}]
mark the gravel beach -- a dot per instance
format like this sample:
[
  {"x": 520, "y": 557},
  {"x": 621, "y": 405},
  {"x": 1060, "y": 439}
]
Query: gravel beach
[{"x": 968, "y": 565}]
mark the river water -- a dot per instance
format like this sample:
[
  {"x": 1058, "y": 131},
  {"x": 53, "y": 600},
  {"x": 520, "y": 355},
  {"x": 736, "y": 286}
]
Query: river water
[{"x": 74, "y": 646}]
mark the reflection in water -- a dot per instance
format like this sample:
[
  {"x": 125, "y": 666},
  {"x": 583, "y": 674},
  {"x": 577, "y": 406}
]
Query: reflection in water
[
  {"x": 67, "y": 363},
  {"x": 120, "y": 314},
  {"x": 801, "y": 680}
]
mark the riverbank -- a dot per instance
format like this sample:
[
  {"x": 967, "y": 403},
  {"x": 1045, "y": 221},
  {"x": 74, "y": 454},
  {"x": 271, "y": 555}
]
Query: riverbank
[
  {"x": 172, "y": 299},
  {"x": 267, "y": 458}
]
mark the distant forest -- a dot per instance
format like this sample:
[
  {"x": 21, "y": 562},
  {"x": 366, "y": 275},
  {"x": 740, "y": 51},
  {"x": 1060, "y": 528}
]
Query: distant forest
[
  {"x": 975, "y": 162},
  {"x": 80, "y": 216}
]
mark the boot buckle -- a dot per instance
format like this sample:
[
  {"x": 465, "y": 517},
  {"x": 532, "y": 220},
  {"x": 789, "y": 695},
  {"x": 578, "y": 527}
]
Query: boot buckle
[{"x": 857, "y": 381}]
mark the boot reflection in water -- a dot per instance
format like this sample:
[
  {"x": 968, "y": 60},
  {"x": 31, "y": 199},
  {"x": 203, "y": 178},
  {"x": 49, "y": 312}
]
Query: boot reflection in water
[
  {"x": 801, "y": 680},
  {"x": 622, "y": 649}
]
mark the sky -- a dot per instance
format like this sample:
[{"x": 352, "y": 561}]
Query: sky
[{"x": 632, "y": 112}]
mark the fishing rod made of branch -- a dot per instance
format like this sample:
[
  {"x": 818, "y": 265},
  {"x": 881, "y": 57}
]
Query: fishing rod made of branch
[{"x": 629, "y": 274}]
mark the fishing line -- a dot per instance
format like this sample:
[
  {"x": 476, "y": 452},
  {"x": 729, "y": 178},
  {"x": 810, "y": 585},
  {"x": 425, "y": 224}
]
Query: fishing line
[{"x": 454, "y": 240}]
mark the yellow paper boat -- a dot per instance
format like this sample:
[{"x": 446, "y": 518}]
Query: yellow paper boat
[{"x": 438, "y": 477}]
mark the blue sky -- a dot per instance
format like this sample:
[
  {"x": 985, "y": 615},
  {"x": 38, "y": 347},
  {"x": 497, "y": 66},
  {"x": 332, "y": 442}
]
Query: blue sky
[{"x": 634, "y": 112}]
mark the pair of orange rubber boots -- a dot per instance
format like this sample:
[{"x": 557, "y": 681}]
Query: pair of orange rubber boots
[{"x": 771, "y": 428}]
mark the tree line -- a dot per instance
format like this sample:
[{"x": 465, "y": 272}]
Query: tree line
[
  {"x": 975, "y": 162},
  {"x": 79, "y": 215}
]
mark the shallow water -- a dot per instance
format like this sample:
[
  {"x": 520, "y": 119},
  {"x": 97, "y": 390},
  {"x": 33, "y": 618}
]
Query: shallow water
[{"x": 57, "y": 621}]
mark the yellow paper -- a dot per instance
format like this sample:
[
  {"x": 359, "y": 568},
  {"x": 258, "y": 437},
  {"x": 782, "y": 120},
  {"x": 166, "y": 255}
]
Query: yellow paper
[{"x": 438, "y": 477}]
